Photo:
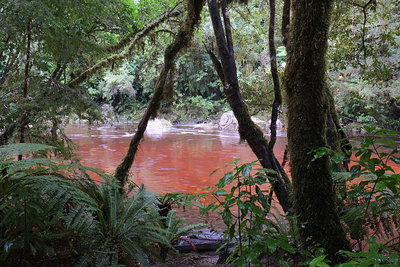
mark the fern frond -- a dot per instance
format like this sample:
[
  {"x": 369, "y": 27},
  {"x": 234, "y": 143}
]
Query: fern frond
[{"x": 13, "y": 150}]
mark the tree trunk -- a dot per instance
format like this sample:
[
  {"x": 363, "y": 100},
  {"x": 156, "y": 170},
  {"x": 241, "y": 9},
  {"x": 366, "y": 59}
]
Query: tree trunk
[
  {"x": 274, "y": 71},
  {"x": 308, "y": 106},
  {"x": 247, "y": 129},
  {"x": 25, "y": 85},
  {"x": 285, "y": 21},
  {"x": 181, "y": 41}
]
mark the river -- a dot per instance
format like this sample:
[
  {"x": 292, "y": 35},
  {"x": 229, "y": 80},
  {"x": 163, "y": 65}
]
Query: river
[{"x": 180, "y": 159}]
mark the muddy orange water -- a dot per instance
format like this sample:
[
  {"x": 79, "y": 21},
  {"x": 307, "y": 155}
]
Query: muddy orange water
[{"x": 180, "y": 159}]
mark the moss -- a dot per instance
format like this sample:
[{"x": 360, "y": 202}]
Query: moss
[{"x": 308, "y": 108}]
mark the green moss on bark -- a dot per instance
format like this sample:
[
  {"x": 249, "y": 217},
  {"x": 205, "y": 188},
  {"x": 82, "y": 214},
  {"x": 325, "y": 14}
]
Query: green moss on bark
[{"x": 308, "y": 107}]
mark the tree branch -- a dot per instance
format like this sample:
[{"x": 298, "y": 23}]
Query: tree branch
[
  {"x": 180, "y": 42},
  {"x": 118, "y": 57}
]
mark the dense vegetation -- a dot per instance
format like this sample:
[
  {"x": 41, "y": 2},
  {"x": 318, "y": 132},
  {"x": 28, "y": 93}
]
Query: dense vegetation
[{"x": 102, "y": 61}]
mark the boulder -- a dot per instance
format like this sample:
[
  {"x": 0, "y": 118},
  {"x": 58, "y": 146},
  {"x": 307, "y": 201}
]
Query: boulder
[
  {"x": 158, "y": 126},
  {"x": 229, "y": 122}
]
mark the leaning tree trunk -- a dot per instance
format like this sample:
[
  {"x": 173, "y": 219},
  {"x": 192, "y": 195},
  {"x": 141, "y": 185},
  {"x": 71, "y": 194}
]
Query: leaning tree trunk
[
  {"x": 308, "y": 107},
  {"x": 247, "y": 129},
  {"x": 181, "y": 41}
]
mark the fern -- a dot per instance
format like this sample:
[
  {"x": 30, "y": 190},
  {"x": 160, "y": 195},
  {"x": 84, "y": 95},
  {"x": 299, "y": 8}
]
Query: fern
[
  {"x": 126, "y": 222},
  {"x": 176, "y": 228},
  {"x": 37, "y": 207},
  {"x": 45, "y": 205},
  {"x": 9, "y": 151}
]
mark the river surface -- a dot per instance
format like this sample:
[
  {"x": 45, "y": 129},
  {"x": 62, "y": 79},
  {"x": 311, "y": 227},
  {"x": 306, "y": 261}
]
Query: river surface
[{"x": 180, "y": 159}]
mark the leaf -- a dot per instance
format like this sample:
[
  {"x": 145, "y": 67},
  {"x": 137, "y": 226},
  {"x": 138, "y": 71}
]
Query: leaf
[
  {"x": 227, "y": 217},
  {"x": 286, "y": 246},
  {"x": 319, "y": 261},
  {"x": 225, "y": 180},
  {"x": 246, "y": 170},
  {"x": 365, "y": 156},
  {"x": 21, "y": 149},
  {"x": 395, "y": 160},
  {"x": 355, "y": 170},
  {"x": 219, "y": 192}
]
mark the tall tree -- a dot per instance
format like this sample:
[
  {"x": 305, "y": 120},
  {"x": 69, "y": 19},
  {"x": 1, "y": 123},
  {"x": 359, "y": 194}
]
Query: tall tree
[
  {"x": 308, "y": 107},
  {"x": 247, "y": 129},
  {"x": 181, "y": 41}
]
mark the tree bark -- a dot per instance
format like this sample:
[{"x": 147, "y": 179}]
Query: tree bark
[
  {"x": 181, "y": 41},
  {"x": 308, "y": 105},
  {"x": 285, "y": 21},
  {"x": 25, "y": 85},
  {"x": 247, "y": 129},
  {"x": 274, "y": 71}
]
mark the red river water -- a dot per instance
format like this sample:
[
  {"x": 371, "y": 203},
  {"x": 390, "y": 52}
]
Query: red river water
[{"x": 180, "y": 159}]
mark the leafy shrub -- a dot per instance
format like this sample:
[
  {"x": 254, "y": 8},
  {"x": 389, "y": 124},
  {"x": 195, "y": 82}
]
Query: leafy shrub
[
  {"x": 246, "y": 211},
  {"x": 53, "y": 213},
  {"x": 371, "y": 204}
]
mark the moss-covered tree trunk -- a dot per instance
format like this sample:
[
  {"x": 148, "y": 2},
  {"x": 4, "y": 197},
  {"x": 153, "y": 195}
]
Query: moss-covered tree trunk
[
  {"x": 181, "y": 41},
  {"x": 247, "y": 129},
  {"x": 308, "y": 107}
]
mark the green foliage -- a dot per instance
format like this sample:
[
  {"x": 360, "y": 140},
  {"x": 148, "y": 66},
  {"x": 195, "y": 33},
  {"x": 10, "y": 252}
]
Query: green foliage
[
  {"x": 366, "y": 39},
  {"x": 371, "y": 203},
  {"x": 245, "y": 209},
  {"x": 54, "y": 212},
  {"x": 376, "y": 255},
  {"x": 126, "y": 226},
  {"x": 197, "y": 108},
  {"x": 176, "y": 228},
  {"x": 364, "y": 56},
  {"x": 358, "y": 101},
  {"x": 39, "y": 209},
  {"x": 370, "y": 207},
  {"x": 40, "y": 45}
]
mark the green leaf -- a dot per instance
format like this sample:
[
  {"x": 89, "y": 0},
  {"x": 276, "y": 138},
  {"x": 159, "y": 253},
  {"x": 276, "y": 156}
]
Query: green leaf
[
  {"x": 246, "y": 170},
  {"x": 319, "y": 261},
  {"x": 225, "y": 180},
  {"x": 395, "y": 160},
  {"x": 365, "y": 156},
  {"x": 227, "y": 217},
  {"x": 286, "y": 246}
]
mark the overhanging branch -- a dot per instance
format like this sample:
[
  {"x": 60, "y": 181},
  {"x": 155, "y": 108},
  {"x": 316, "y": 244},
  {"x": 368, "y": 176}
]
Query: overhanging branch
[{"x": 118, "y": 57}]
